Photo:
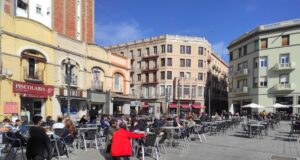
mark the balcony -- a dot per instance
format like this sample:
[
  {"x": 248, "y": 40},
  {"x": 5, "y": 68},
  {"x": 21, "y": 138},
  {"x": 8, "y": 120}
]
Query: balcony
[
  {"x": 149, "y": 57},
  {"x": 73, "y": 81},
  {"x": 281, "y": 67},
  {"x": 188, "y": 80},
  {"x": 241, "y": 91},
  {"x": 241, "y": 73},
  {"x": 152, "y": 96},
  {"x": 33, "y": 75},
  {"x": 147, "y": 69},
  {"x": 148, "y": 82},
  {"x": 284, "y": 87},
  {"x": 131, "y": 70},
  {"x": 97, "y": 85}
]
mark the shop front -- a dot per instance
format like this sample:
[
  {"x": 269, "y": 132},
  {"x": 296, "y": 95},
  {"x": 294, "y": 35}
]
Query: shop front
[
  {"x": 99, "y": 100},
  {"x": 33, "y": 98},
  {"x": 77, "y": 102}
]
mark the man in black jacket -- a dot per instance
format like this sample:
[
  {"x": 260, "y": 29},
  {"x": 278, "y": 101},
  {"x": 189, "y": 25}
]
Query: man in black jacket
[
  {"x": 38, "y": 145},
  {"x": 93, "y": 115}
]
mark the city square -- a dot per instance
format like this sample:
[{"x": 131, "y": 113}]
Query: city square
[{"x": 159, "y": 79}]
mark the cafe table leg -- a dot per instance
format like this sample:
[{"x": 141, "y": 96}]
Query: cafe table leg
[{"x": 143, "y": 152}]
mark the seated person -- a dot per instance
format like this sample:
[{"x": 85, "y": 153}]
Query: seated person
[
  {"x": 59, "y": 123},
  {"x": 104, "y": 122},
  {"x": 70, "y": 131},
  {"x": 83, "y": 120},
  {"x": 38, "y": 146}
]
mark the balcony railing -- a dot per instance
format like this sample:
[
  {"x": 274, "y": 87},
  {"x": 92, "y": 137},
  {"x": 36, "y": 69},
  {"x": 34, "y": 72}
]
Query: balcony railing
[
  {"x": 148, "y": 82},
  {"x": 242, "y": 72},
  {"x": 35, "y": 76},
  {"x": 241, "y": 91},
  {"x": 97, "y": 85},
  {"x": 151, "y": 56},
  {"x": 284, "y": 87},
  {"x": 285, "y": 66},
  {"x": 149, "y": 69},
  {"x": 73, "y": 81}
]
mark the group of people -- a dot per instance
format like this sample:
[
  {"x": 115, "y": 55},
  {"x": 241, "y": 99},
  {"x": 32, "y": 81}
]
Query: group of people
[{"x": 35, "y": 138}]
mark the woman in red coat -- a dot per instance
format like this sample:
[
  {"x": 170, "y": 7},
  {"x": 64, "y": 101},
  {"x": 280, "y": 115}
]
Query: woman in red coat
[{"x": 121, "y": 145}]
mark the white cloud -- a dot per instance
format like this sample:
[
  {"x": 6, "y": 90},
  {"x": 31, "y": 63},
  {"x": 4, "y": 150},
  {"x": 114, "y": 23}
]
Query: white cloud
[
  {"x": 220, "y": 49},
  {"x": 113, "y": 33}
]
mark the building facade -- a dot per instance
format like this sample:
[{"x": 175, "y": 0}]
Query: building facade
[
  {"x": 217, "y": 84},
  {"x": 33, "y": 71},
  {"x": 263, "y": 66},
  {"x": 168, "y": 71},
  {"x": 71, "y": 18}
]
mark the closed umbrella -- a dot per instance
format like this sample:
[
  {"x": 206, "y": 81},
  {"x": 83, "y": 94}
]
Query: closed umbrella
[{"x": 231, "y": 109}]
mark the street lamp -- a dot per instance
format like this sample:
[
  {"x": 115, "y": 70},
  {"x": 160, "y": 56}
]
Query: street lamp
[
  {"x": 68, "y": 79},
  {"x": 178, "y": 94}
]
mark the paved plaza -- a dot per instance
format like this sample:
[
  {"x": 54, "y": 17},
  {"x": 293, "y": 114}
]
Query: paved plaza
[{"x": 230, "y": 146}]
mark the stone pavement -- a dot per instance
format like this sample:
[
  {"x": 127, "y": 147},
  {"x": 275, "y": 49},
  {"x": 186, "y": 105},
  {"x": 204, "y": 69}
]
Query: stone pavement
[{"x": 230, "y": 146}]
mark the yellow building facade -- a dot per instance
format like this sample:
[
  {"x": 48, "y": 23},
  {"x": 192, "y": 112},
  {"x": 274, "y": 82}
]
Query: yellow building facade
[
  {"x": 26, "y": 67},
  {"x": 33, "y": 61}
]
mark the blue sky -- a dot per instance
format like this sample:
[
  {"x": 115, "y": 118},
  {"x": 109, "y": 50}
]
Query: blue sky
[{"x": 219, "y": 21}]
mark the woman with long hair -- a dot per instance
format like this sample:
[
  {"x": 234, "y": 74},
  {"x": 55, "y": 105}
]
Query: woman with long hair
[{"x": 69, "y": 129}]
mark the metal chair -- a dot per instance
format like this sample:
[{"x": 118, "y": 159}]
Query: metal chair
[
  {"x": 15, "y": 143},
  {"x": 91, "y": 135}
]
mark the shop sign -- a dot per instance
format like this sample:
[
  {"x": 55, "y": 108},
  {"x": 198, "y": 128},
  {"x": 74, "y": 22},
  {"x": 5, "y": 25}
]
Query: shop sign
[
  {"x": 10, "y": 107},
  {"x": 33, "y": 90}
]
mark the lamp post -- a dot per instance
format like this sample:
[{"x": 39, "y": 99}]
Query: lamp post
[
  {"x": 68, "y": 78},
  {"x": 178, "y": 94}
]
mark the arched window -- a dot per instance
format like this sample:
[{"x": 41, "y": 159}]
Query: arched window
[{"x": 97, "y": 82}]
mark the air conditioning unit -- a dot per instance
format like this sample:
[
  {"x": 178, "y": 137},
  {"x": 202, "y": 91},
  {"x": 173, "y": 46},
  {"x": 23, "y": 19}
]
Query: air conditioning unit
[{"x": 6, "y": 72}]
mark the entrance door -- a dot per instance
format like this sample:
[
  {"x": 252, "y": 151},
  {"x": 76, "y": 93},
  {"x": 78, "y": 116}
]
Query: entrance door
[{"x": 37, "y": 108}]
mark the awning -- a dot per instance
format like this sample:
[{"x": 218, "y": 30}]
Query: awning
[
  {"x": 185, "y": 106},
  {"x": 172, "y": 105},
  {"x": 198, "y": 106}
]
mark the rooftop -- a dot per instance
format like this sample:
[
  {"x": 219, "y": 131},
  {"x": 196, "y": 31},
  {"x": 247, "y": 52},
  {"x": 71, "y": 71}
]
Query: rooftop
[
  {"x": 162, "y": 37},
  {"x": 266, "y": 27}
]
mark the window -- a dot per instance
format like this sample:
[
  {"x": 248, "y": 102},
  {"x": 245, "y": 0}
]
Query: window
[
  {"x": 139, "y": 77},
  {"x": 169, "y": 48},
  {"x": 188, "y": 49},
  {"x": 186, "y": 90},
  {"x": 256, "y": 45},
  {"x": 169, "y": 62},
  {"x": 132, "y": 92},
  {"x": 200, "y": 50},
  {"x": 118, "y": 82},
  {"x": 285, "y": 40},
  {"x": 200, "y": 76},
  {"x": 188, "y": 75},
  {"x": 181, "y": 74},
  {"x": 162, "y": 75},
  {"x": 245, "y": 50},
  {"x": 284, "y": 59},
  {"x": 188, "y": 63},
  {"x": 163, "y": 48},
  {"x": 255, "y": 62},
  {"x": 263, "y": 81},
  {"x": 231, "y": 69},
  {"x": 122, "y": 53},
  {"x": 155, "y": 63},
  {"x": 194, "y": 88},
  {"x": 38, "y": 9},
  {"x": 22, "y": 4},
  {"x": 284, "y": 78},
  {"x": 200, "y": 91},
  {"x": 231, "y": 56},
  {"x": 298, "y": 99},
  {"x": 147, "y": 51},
  {"x": 255, "y": 82},
  {"x": 240, "y": 52},
  {"x": 32, "y": 68},
  {"x": 263, "y": 62},
  {"x": 162, "y": 90},
  {"x": 182, "y": 49},
  {"x": 131, "y": 54},
  {"x": 169, "y": 90},
  {"x": 200, "y": 63},
  {"x": 182, "y": 62},
  {"x": 155, "y": 50},
  {"x": 139, "y": 65},
  {"x": 240, "y": 66},
  {"x": 179, "y": 90},
  {"x": 263, "y": 43},
  {"x": 169, "y": 74},
  {"x": 154, "y": 77},
  {"x": 163, "y": 62},
  {"x": 139, "y": 52}
]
